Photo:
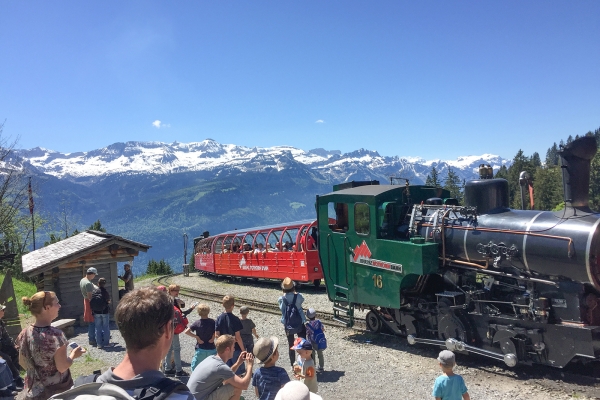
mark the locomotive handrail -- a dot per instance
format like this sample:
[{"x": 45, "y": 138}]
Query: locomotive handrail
[
  {"x": 346, "y": 258},
  {"x": 524, "y": 233},
  {"x": 329, "y": 257}
]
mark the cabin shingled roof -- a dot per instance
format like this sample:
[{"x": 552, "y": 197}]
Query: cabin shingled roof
[{"x": 73, "y": 247}]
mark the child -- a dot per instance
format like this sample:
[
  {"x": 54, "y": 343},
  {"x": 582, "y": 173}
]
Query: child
[
  {"x": 229, "y": 324},
  {"x": 304, "y": 367},
  {"x": 268, "y": 379},
  {"x": 449, "y": 386},
  {"x": 316, "y": 336},
  {"x": 248, "y": 330},
  {"x": 203, "y": 330}
]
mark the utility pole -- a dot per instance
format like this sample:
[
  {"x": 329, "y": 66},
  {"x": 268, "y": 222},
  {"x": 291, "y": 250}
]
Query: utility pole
[{"x": 31, "y": 212}]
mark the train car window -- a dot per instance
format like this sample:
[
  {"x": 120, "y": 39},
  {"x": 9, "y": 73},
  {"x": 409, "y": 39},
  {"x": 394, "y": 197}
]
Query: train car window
[
  {"x": 236, "y": 244},
  {"x": 227, "y": 244},
  {"x": 289, "y": 239},
  {"x": 273, "y": 240},
  {"x": 361, "y": 218},
  {"x": 219, "y": 246},
  {"x": 248, "y": 240},
  {"x": 387, "y": 219},
  {"x": 340, "y": 214},
  {"x": 261, "y": 238},
  {"x": 205, "y": 246}
]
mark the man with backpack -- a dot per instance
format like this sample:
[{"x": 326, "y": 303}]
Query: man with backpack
[
  {"x": 292, "y": 315},
  {"x": 145, "y": 320},
  {"x": 100, "y": 308}
]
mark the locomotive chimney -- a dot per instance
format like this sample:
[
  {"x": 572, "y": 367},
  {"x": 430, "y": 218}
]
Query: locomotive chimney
[{"x": 575, "y": 160}]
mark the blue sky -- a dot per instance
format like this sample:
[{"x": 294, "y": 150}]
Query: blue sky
[{"x": 436, "y": 79}]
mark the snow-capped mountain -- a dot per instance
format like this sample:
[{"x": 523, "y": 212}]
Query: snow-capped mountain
[{"x": 211, "y": 156}]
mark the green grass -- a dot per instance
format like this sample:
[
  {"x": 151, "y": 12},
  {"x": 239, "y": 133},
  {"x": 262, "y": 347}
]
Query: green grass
[{"x": 22, "y": 288}]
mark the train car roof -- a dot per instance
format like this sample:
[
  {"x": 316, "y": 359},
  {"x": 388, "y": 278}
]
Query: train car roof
[
  {"x": 266, "y": 227},
  {"x": 367, "y": 190}
]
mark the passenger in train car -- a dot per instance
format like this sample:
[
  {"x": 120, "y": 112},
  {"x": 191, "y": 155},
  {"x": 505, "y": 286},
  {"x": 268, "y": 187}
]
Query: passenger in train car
[
  {"x": 247, "y": 248},
  {"x": 287, "y": 246},
  {"x": 260, "y": 248},
  {"x": 277, "y": 247},
  {"x": 235, "y": 248},
  {"x": 314, "y": 233}
]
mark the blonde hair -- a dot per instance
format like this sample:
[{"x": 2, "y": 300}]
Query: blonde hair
[
  {"x": 36, "y": 303},
  {"x": 203, "y": 310},
  {"x": 228, "y": 301},
  {"x": 173, "y": 287},
  {"x": 224, "y": 342}
]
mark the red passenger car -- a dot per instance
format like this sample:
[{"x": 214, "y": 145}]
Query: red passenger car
[{"x": 268, "y": 252}]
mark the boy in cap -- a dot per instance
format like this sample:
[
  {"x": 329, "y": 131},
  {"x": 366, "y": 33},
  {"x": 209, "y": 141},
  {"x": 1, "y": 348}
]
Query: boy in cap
[
  {"x": 316, "y": 336},
  {"x": 249, "y": 329},
  {"x": 268, "y": 379},
  {"x": 304, "y": 367},
  {"x": 449, "y": 386}
]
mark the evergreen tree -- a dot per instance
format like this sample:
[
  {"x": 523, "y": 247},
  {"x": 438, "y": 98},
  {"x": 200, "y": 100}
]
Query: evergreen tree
[
  {"x": 552, "y": 155},
  {"x": 535, "y": 160},
  {"x": 595, "y": 183},
  {"x": 502, "y": 172},
  {"x": 158, "y": 268},
  {"x": 548, "y": 188},
  {"x": 452, "y": 183},
  {"x": 433, "y": 178},
  {"x": 97, "y": 226}
]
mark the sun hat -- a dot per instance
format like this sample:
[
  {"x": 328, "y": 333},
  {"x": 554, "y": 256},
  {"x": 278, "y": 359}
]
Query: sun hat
[
  {"x": 264, "y": 348},
  {"x": 446, "y": 358},
  {"x": 301, "y": 344},
  {"x": 296, "y": 390},
  {"x": 311, "y": 313},
  {"x": 92, "y": 270},
  {"x": 287, "y": 284},
  {"x": 161, "y": 287}
]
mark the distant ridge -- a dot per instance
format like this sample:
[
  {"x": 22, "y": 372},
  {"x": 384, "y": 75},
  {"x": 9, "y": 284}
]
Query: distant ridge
[{"x": 210, "y": 156}]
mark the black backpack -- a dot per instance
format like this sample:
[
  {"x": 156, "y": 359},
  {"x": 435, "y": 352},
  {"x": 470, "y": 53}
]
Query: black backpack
[
  {"x": 86, "y": 387},
  {"x": 98, "y": 303},
  {"x": 292, "y": 318}
]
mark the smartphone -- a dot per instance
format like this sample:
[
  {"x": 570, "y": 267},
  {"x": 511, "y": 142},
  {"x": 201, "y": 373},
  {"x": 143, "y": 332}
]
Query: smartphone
[
  {"x": 73, "y": 345},
  {"x": 194, "y": 304}
]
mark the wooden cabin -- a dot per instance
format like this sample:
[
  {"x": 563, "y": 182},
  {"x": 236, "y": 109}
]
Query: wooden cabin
[{"x": 60, "y": 266}]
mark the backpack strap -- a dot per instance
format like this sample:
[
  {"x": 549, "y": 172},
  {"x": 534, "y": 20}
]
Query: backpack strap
[
  {"x": 82, "y": 380},
  {"x": 161, "y": 390}
]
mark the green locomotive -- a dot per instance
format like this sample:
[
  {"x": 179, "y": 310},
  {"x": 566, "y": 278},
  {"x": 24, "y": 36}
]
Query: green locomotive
[{"x": 519, "y": 286}]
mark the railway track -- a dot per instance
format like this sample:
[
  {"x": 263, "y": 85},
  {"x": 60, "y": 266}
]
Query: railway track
[{"x": 326, "y": 318}]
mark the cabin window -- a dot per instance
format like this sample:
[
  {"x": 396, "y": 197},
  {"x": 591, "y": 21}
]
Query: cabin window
[
  {"x": 361, "y": 218},
  {"x": 219, "y": 246},
  {"x": 338, "y": 217}
]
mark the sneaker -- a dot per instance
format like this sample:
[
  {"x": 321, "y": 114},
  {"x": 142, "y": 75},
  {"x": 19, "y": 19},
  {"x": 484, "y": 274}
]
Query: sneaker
[
  {"x": 181, "y": 373},
  {"x": 93, "y": 343},
  {"x": 110, "y": 345},
  {"x": 19, "y": 384},
  {"x": 170, "y": 372}
]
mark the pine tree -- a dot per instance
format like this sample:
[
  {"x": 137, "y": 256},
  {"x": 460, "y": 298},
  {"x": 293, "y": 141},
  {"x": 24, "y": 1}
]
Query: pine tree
[
  {"x": 452, "y": 183},
  {"x": 97, "y": 226},
  {"x": 433, "y": 178},
  {"x": 552, "y": 155},
  {"x": 548, "y": 188}
]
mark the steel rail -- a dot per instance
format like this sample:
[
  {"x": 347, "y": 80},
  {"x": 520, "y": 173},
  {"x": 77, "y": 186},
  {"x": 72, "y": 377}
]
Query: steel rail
[{"x": 326, "y": 318}]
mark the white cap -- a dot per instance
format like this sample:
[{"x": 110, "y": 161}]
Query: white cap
[{"x": 296, "y": 390}]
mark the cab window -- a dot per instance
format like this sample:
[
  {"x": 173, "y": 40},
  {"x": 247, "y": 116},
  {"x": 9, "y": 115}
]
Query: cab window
[{"x": 361, "y": 218}]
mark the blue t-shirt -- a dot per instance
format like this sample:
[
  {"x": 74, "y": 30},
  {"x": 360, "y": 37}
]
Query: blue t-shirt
[
  {"x": 229, "y": 324},
  {"x": 269, "y": 381},
  {"x": 449, "y": 387}
]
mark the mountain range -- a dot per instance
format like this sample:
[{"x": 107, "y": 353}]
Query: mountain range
[{"x": 154, "y": 192}]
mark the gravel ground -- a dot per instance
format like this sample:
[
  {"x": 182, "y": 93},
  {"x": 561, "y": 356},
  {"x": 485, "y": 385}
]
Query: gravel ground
[{"x": 360, "y": 365}]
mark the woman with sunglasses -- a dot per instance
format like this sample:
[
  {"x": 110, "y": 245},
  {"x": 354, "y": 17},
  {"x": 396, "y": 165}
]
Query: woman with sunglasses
[{"x": 43, "y": 349}]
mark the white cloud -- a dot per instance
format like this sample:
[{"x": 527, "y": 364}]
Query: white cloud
[
  {"x": 158, "y": 124},
  {"x": 319, "y": 121}
]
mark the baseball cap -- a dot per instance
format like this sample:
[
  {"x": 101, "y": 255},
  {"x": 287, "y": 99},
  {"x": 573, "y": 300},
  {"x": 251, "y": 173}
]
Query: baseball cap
[
  {"x": 311, "y": 313},
  {"x": 92, "y": 270},
  {"x": 446, "y": 358},
  {"x": 301, "y": 344}
]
